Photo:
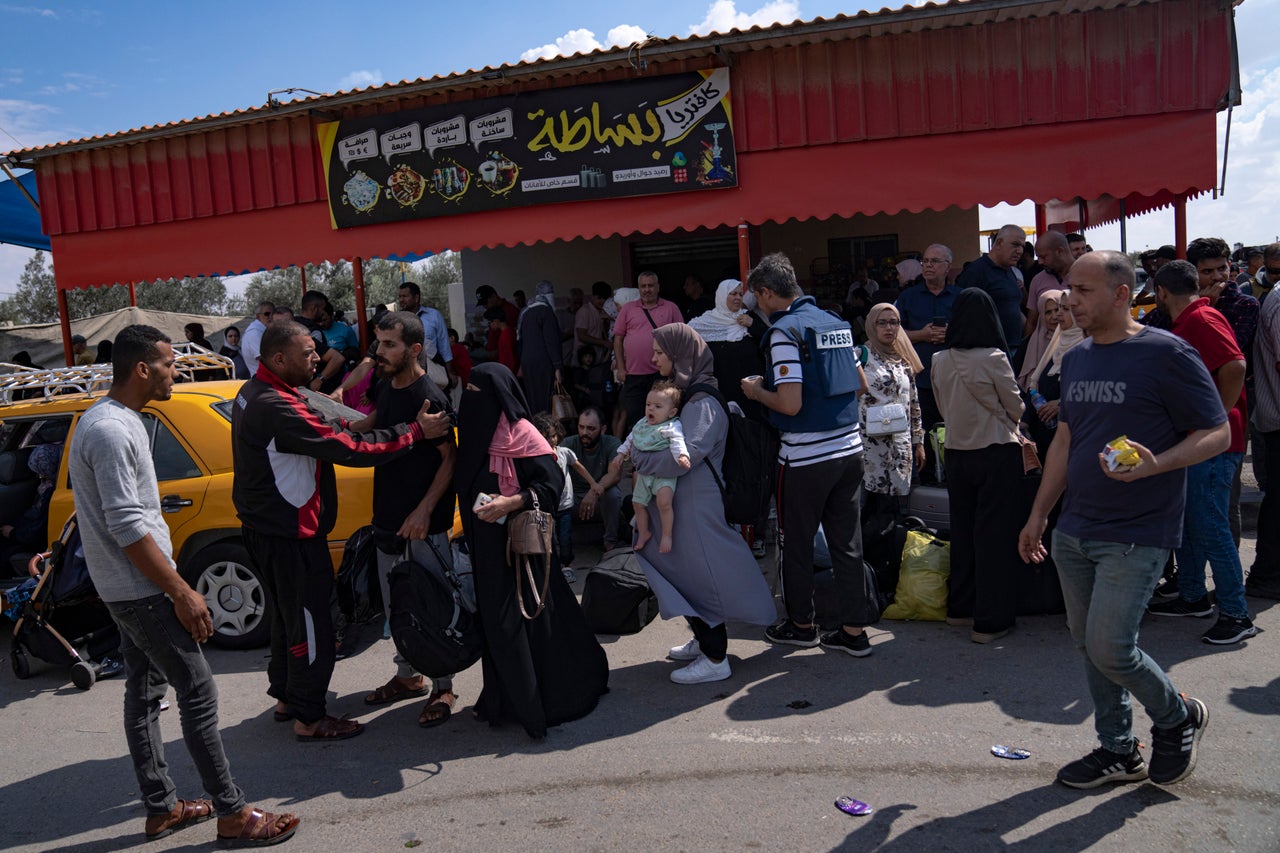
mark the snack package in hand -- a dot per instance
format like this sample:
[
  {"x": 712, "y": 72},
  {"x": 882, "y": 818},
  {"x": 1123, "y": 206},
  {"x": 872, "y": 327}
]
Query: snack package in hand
[{"x": 1120, "y": 455}]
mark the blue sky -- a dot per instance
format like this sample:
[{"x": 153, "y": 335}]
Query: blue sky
[{"x": 71, "y": 70}]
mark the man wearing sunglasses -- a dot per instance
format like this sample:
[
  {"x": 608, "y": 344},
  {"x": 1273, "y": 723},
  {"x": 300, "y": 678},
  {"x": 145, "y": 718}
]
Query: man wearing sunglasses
[{"x": 251, "y": 342}]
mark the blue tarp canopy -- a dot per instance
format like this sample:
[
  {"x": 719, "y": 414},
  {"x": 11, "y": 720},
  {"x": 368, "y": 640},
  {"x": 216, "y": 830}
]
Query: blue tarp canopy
[{"x": 19, "y": 221}]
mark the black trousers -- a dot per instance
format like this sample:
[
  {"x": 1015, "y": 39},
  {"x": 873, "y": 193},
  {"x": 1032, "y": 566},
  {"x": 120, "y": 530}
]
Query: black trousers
[
  {"x": 298, "y": 575},
  {"x": 713, "y": 640},
  {"x": 827, "y": 493},
  {"x": 634, "y": 389},
  {"x": 1265, "y": 572},
  {"x": 987, "y": 514}
]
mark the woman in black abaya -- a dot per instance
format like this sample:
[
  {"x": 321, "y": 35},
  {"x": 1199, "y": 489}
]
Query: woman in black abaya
[{"x": 551, "y": 669}]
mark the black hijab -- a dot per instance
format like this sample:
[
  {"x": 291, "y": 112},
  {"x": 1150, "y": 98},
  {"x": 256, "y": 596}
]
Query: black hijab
[
  {"x": 975, "y": 323},
  {"x": 478, "y": 412}
]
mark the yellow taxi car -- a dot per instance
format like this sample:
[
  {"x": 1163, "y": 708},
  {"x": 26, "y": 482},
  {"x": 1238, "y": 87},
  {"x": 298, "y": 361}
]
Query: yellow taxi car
[{"x": 190, "y": 437}]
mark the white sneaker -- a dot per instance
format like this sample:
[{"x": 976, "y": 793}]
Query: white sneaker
[
  {"x": 689, "y": 651},
  {"x": 702, "y": 671}
]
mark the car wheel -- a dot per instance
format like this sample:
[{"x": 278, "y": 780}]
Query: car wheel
[
  {"x": 21, "y": 667},
  {"x": 237, "y": 598}
]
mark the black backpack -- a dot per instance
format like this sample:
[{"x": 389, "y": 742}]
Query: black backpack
[
  {"x": 430, "y": 624},
  {"x": 616, "y": 598},
  {"x": 356, "y": 585},
  {"x": 749, "y": 464}
]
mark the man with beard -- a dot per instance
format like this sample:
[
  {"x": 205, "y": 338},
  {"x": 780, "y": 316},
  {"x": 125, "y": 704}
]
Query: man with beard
[
  {"x": 286, "y": 496},
  {"x": 594, "y": 450},
  {"x": 413, "y": 499}
]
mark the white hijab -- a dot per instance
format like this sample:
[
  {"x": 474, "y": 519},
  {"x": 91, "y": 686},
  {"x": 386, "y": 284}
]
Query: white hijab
[{"x": 721, "y": 324}]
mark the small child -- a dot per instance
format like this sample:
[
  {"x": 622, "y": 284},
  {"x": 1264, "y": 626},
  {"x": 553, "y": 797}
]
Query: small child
[
  {"x": 660, "y": 430},
  {"x": 589, "y": 379},
  {"x": 567, "y": 460}
]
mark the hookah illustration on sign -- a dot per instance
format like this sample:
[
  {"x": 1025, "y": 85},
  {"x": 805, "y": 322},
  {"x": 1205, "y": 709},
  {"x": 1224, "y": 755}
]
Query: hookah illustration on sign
[{"x": 717, "y": 172}]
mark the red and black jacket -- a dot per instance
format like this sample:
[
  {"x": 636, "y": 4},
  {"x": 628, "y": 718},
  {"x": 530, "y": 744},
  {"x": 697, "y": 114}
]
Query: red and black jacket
[{"x": 284, "y": 453}]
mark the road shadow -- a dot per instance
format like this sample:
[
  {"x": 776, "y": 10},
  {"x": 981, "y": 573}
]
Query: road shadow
[{"x": 995, "y": 820}]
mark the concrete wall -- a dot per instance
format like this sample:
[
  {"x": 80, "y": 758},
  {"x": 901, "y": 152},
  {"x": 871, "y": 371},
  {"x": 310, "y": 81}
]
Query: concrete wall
[
  {"x": 805, "y": 241},
  {"x": 578, "y": 263}
]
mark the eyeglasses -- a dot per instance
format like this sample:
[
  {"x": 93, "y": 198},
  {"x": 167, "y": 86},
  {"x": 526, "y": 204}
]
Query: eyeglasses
[
  {"x": 934, "y": 261},
  {"x": 888, "y": 324}
]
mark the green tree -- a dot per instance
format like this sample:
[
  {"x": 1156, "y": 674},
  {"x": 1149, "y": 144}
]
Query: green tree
[
  {"x": 204, "y": 295},
  {"x": 35, "y": 300}
]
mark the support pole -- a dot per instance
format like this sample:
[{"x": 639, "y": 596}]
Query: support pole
[
  {"x": 357, "y": 280},
  {"x": 1042, "y": 220},
  {"x": 133, "y": 295},
  {"x": 1124, "y": 230},
  {"x": 302, "y": 270},
  {"x": 64, "y": 320},
  {"x": 1180, "y": 226},
  {"x": 744, "y": 252}
]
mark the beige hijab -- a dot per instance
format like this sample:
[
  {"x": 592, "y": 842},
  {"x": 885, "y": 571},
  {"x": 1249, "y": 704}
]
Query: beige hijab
[
  {"x": 1067, "y": 335},
  {"x": 901, "y": 349},
  {"x": 1038, "y": 342}
]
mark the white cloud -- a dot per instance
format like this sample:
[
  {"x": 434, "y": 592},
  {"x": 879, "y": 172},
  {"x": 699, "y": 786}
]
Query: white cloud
[
  {"x": 27, "y": 10},
  {"x": 723, "y": 16},
  {"x": 361, "y": 79},
  {"x": 28, "y": 124},
  {"x": 585, "y": 41},
  {"x": 12, "y": 260},
  {"x": 626, "y": 34}
]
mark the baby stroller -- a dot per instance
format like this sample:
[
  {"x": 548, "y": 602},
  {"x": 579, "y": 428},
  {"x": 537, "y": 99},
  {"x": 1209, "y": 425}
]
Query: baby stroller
[{"x": 64, "y": 622}]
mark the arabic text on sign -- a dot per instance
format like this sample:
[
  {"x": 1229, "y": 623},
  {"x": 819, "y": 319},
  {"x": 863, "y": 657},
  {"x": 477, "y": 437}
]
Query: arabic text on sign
[
  {"x": 535, "y": 184},
  {"x": 645, "y": 174},
  {"x": 566, "y": 134}
]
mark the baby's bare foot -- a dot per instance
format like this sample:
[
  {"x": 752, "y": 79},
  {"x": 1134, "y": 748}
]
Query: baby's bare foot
[{"x": 664, "y": 545}]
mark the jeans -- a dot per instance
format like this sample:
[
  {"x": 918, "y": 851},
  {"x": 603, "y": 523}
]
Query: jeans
[
  {"x": 1206, "y": 536},
  {"x": 157, "y": 652},
  {"x": 422, "y": 553},
  {"x": 564, "y": 537},
  {"x": 1106, "y": 586}
]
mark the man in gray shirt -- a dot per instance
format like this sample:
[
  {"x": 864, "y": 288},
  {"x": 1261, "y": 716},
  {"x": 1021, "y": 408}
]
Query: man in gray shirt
[{"x": 161, "y": 619}]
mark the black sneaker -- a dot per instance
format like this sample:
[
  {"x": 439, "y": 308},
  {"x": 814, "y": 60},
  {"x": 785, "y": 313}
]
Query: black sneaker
[
  {"x": 787, "y": 633},
  {"x": 838, "y": 640},
  {"x": 1181, "y": 607},
  {"x": 1102, "y": 767},
  {"x": 1166, "y": 590},
  {"x": 1173, "y": 751},
  {"x": 1228, "y": 630}
]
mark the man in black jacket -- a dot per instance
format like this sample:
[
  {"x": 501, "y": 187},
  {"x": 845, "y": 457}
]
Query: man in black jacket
[{"x": 286, "y": 497}]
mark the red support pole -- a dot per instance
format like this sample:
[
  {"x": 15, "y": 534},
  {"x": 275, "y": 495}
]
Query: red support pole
[
  {"x": 1042, "y": 220},
  {"x": 744, "y": 251},
  {"x": 64, "y": 320},
  {"x": 1180, "y": 226},
  {"x": 303, "y": 272},
  {"x": 133, "y": 295},
  {"x": 357, "y": 279}
]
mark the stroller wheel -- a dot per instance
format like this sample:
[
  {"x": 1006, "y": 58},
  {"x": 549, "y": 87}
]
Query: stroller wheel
[
  {"x": 82, "y": 675},
  {"x": 21, "y": 668}
]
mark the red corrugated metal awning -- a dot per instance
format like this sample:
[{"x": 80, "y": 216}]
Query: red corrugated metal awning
[{"x": 1113, "y": 156}]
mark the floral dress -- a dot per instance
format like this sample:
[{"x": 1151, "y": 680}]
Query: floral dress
[{"x": 887, "y": 459}]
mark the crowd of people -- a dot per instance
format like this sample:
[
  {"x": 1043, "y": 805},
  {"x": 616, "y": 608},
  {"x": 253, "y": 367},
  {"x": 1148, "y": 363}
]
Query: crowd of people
[{"x": 1048, "y": 363}]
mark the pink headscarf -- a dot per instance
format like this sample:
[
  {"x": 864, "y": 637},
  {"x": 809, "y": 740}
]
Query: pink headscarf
[{"x": 510, "y": 443}]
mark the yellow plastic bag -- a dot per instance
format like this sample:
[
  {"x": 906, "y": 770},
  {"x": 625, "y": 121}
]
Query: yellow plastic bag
[{"x": 922, "y": 582}]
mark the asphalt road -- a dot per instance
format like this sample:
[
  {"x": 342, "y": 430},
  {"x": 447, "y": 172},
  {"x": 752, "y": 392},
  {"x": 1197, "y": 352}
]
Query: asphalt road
[{"x": 750, "y": 763}]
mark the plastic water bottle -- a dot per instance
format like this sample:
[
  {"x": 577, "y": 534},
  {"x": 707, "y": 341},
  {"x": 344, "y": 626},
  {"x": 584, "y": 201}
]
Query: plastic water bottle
[{"x": 1038, "y": 400}]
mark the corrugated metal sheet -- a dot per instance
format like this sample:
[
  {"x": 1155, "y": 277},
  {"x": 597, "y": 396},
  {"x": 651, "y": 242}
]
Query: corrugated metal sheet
[{"x": 998, "y": 69}]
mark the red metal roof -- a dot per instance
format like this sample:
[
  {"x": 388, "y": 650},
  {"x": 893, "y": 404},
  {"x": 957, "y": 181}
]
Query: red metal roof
[{"x": 844, "y": 99}]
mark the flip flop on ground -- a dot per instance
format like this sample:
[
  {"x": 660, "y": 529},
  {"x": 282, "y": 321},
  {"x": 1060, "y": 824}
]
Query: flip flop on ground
[
  {"x": 261, "y": 829},
  {"x": 438, "y": 710},
  {"x": 395, "y": 690},
  {"x": 186, "y": 813},
  {"x": 330, "y": 728}
]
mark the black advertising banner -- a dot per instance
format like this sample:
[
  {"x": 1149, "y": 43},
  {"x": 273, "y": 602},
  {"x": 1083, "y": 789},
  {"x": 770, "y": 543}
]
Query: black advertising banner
[{"x": 661, "y": 135}]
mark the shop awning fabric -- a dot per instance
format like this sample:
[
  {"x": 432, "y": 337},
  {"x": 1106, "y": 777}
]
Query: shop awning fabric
[
  {"x": 1090, "y": 159},
  {"x": 19, "y": 221}
]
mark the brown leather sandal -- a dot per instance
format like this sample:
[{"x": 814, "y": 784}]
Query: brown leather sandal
[
  {"x": 189, "y": 813},
  {"x": 395, "y": 691},
  {"x": 262, "y": 829},
  {"x": 437, "y": 711},
  {"x": 332, "y": 728}
]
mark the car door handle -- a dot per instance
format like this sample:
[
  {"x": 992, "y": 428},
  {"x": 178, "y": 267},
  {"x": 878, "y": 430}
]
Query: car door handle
[{"x": 173, "y": 503}]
